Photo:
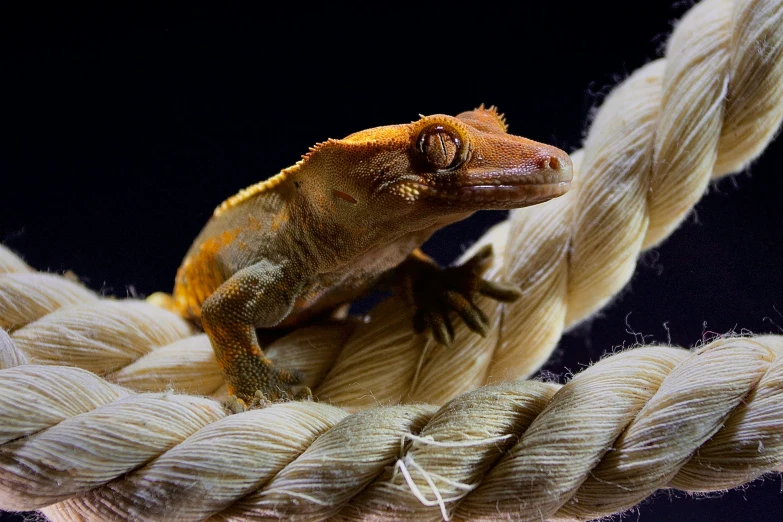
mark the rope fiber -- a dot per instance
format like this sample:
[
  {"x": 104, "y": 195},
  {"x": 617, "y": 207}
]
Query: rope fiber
[{"x": 110, "y": 408}]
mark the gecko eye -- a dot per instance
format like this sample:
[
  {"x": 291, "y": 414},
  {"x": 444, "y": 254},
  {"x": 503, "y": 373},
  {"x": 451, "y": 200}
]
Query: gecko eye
[{"x": 442, "y": 148}]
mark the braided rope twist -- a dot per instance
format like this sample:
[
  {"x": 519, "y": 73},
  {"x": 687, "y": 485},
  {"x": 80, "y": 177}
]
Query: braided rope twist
[{"x": 705, "y": 111}]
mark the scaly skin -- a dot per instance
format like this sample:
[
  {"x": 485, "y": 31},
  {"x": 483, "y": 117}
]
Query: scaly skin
[{"x": 325, "y": 231}]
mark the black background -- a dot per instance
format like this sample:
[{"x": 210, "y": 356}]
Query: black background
[{"x": 123, "y": 130}]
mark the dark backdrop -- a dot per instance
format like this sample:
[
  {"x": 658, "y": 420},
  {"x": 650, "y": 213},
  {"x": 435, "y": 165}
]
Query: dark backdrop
[{"x": 123, "y": 130}]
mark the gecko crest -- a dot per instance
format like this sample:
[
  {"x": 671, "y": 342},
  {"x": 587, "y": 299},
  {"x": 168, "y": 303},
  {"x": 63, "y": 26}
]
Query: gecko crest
[
  {"x": 252, "y": 190},
  {"x": 269, "y": 184},
  {"x": 494, "y": 112}
]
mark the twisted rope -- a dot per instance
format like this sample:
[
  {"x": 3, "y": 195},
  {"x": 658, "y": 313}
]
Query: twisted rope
[
  {"x": 637, "y": 421},
  {"x": 705, "y": 111}
]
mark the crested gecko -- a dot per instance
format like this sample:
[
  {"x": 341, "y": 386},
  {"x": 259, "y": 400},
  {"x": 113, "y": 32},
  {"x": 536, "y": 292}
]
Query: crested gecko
[{"x": 350, "y": 214}]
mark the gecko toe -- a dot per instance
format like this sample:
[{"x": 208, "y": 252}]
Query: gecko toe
[
  {"x": 473, "y": 316},
  {"x": 503, "y": 292}
]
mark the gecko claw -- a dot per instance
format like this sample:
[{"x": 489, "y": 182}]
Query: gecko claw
[
  {"x": 305, "y": 394},
  {"x": 235, "y": 405}
]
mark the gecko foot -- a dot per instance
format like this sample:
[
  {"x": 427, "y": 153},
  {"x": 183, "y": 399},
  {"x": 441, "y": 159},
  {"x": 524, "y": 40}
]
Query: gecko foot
[
  {"x": 262, "y": 384},
  {"x": 262, "y": 400},
  {"x": 435, "y": 292}
]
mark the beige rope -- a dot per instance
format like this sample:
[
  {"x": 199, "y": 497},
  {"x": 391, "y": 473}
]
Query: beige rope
[
  {"x": 705, "y": 111},
  {"x": 634, "y": 422}
]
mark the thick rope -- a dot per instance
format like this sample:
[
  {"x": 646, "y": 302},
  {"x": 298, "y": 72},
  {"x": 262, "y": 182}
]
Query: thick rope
[
  {"x": 705, "y": 111},
  {"x": 637, "y": 421}
]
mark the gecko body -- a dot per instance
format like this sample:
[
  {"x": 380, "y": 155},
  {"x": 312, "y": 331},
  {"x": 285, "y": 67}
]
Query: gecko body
[{"x": 350, "y": 214}]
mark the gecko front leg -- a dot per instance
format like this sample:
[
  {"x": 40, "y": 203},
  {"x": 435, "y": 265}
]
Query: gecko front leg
[
  {"x": 261, "y": 295},
  {"x": 433, "y": 292}
]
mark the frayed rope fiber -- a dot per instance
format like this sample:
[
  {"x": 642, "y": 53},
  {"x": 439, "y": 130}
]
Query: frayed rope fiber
[{"x": 82, "y": 447}]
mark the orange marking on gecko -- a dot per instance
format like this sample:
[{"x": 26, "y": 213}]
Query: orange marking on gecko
[
  {"x": 254, "y": 224},
  {"x": 279, "y": 220},
  {"x": 199, "y": 274},
  {"x": 213, "y": 245}
]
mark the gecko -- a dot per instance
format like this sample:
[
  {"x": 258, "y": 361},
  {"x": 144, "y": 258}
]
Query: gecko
[{"x": 349, "y": 216}]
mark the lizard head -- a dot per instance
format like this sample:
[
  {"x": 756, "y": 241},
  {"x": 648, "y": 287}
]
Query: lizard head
[{"x": 435, "y": 170}]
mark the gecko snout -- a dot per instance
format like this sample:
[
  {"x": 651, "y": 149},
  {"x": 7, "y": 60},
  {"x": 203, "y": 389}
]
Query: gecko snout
[{"x": 557, "y": 164}]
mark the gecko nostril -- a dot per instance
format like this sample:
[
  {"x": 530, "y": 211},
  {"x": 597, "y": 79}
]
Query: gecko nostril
[
  {"x": 550, "y": 163},
  {"x": 557, "y": 165}
]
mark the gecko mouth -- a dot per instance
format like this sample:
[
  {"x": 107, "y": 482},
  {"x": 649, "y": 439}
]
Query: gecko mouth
[{"x": 496, "y": 196}]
